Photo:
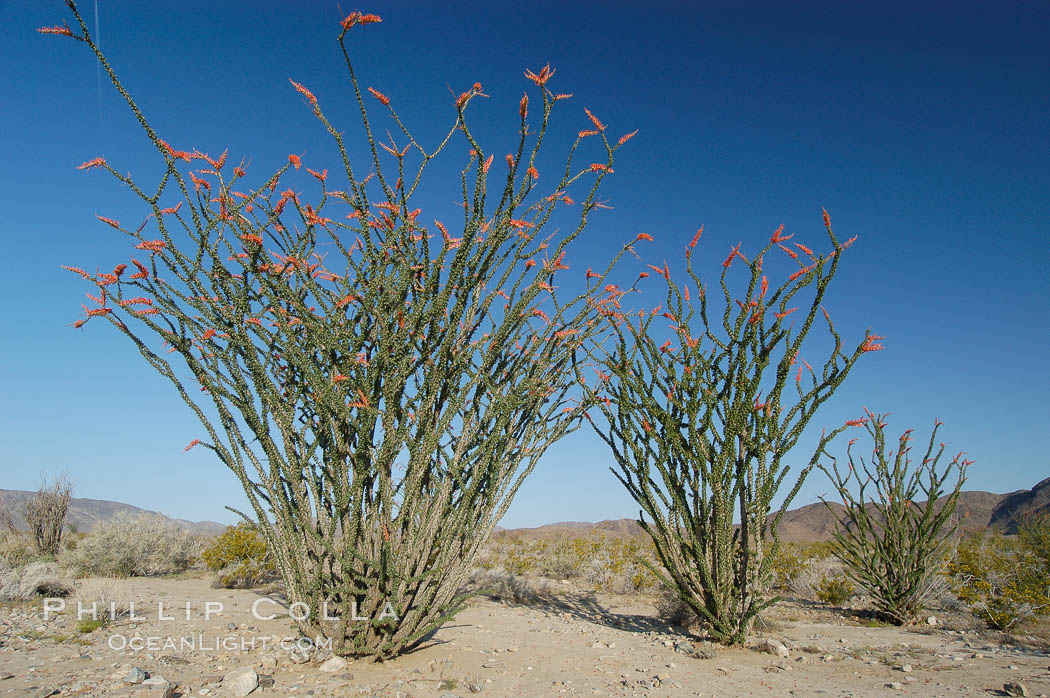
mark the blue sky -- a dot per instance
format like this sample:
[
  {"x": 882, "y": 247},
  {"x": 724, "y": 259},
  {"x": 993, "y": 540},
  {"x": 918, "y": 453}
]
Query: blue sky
[{"x": 921, "y": 127}]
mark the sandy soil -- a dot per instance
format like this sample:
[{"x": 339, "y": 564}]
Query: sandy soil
[{"x": 575, "y": 644}]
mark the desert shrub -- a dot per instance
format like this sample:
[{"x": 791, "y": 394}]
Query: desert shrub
[
  {"x": 791, "y": 562},
  {"x": 32, "y": 580},
  {"x": 128, "y": 545},
  {"x": 616, "y": 564},
  {"x": 671, "y": 607},
  {"x": 892, "y": 545},
  {"x": 787, "y": 564},
  {"x": 835, "y": 589},
  {"x": 45, "y": 514},
  {"x": 1002, "y": 581},
  {"x": 1033, "y": 531},
  {"x": 501, "y": 585},
  {"x": 805, "y": 584},
  {"x": 700, "y": 413},
  {"x": 17, "y": 548},
  {"x": 621, "y": 566},
  {"x": 380, "y": 387},
  {"x": 102, "y": 600},
  {"x": 240, "y": 558}
]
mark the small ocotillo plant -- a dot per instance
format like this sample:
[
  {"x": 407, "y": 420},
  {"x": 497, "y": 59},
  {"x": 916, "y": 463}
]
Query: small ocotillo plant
[
  {"x": 381, "y": 387},
  {"x": 893, "y": 545},
  {"x": 700, "y": 416},
  {"x": 45, "y": 514}
]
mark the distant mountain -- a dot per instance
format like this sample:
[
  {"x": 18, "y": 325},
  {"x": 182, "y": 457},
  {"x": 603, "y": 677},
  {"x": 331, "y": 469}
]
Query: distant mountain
[
  {"x": 85, "y": 513},
  {"x": 615, "y": 527},
  {"x": 815, "y": 522}
]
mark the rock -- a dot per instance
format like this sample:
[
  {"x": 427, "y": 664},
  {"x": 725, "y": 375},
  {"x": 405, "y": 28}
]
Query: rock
[
  {"x": 333, "y": 665},
  {"x": 161, "y": 687},
  {"x": 1012, "y": 688},
  {"x": 80, "y": 687},
  {"x": 266, "y": 681},
  {"x": 932, "y": 620},
  {"x": 696, "y": 650},
  {"x": 896, "y": 685},
  {"x": 135, "y": 675},
  {"x": 774, "y": 647},
  {"x": 905, "y": 668},
  {"x": 300, "y": 655},
  {"x": 474, "y": 686},
  {"x": 240, "y": 682}
]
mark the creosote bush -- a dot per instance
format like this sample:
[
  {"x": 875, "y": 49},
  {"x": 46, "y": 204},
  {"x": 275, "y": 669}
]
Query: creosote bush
[
  {"x": 793, "y": 560},
  {"x": 893, "y": 545},
  {"x": 240, "y": 558},
  {"x": 1002, "y": 579},
  {"x": 700, "y": 415},
  {"x": 835, "y": 589},
  {"x": 379, "y": 385}
]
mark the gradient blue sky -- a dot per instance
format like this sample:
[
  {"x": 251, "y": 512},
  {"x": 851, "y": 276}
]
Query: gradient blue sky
[{"x": 921, "y": 127}]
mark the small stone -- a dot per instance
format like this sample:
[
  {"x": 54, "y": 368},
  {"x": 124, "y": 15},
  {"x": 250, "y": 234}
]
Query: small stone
[
  {"x": 932, "y": 620},
  {"x": 162, "y": 686},
  {"x": 333, "y": 665},
  {"x": 135, "y": 675},
  {"x": 1012, "y": 688},
  {"x": 265, "y": 681},
  {"x": 895, "y": 685},
  {"x": 240, "y": 682},
  {"x": 774, "y": 647},
  {"x": 474, "y": 686},
  {"x": 905, "y": 668}
]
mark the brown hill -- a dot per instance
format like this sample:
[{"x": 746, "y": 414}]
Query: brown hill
[
  {"x": 815, "y": 522},
  {"x": 85, "y": 513}
]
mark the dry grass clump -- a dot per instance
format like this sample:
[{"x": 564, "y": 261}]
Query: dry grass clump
[
  {"x": 110, "y": 599},
  {"x": 29, "y": 581},
  {"x": 145, "y": 545},
  {"x": 17, "y": 548}
]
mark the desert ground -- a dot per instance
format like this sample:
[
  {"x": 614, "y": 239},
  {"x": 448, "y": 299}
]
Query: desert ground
[{"x": 564, "y": 643}]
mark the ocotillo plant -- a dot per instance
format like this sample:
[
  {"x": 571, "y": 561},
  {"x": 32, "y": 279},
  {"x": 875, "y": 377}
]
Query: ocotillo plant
[
  {"x": 45, "y": 513},
  {"x": 701, "y": 416},
  {"x": 892, "y": 545},
  {"x": 379, "y": 390}
]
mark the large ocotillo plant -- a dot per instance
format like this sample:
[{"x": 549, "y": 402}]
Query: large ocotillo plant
[
  {"x": 379, "y": 389},
  {"x": 700, "y": 414},
  {"x": 893, "y": 546}
]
